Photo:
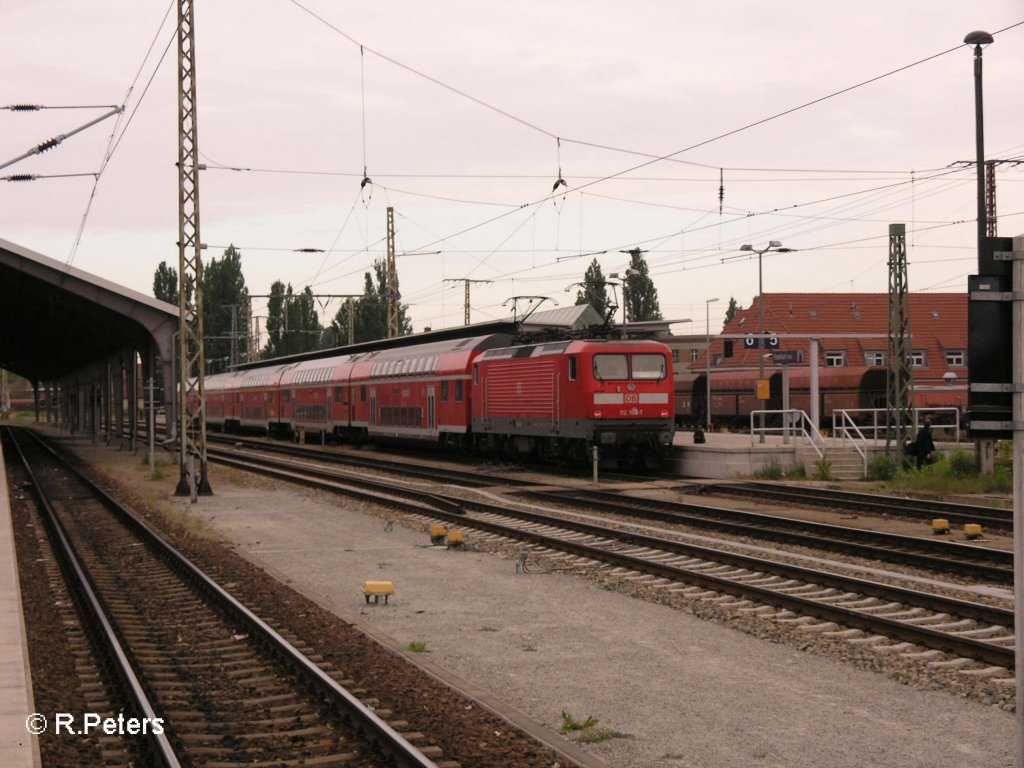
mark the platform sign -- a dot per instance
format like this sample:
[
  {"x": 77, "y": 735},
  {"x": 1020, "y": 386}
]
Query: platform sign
[
  {"x": 771, "y": 341},
  {"x": 785, "y": 358},
  {"x": 762, "y": 389}
]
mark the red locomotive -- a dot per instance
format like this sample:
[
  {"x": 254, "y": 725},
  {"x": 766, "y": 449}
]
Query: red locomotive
[{"x": 551, "y": 400}]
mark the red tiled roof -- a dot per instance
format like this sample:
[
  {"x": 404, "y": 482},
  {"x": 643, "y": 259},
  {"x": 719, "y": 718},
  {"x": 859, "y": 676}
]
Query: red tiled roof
[{"x": 938, "y": 324}]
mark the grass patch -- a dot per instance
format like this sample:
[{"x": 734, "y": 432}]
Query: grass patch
[
  {"x": 488, "y": 629},
  {"x": 823, "y": 469},
  {"x": 952, "y": 476},
  {"x": 417, "y": 646},
  {"x": 586, "y": 731},
  {"x": 597, "y": 735},
  {"x": 191, "y": 524},
  {"x": 529, "y": 646},
  {"x": 570, "y": 723}
]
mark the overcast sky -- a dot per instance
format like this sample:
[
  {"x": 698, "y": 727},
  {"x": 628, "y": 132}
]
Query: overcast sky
[{"x": 464, "y": 114}]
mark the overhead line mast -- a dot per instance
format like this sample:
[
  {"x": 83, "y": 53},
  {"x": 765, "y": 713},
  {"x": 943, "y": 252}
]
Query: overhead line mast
[
  {"x": 467, "y": 281},
  {"x": 392, "y": 278},
  {"x": 192, "y": 359}
]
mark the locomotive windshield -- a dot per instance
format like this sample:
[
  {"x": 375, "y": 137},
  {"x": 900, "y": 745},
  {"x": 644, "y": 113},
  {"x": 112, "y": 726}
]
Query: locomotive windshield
[
  {"x": 610, "y": 367},
  {"x": 648, "y": 367},
  {"x": 645, "y": 367}
]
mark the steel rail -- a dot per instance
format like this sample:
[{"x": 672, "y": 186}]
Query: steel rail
[
  {"x": 992, "y": 564},
  {"x": 992, "y": 517},
  {"x": 922, "y": 635},
  {"x": 391, "y": 744},
  {"x": 81, "y": 584},
  {"x": 942, "y": 556}
]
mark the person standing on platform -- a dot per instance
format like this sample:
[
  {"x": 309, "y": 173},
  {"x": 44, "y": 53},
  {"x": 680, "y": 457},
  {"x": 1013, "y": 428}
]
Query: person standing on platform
[{"x": 924, "y": 444}]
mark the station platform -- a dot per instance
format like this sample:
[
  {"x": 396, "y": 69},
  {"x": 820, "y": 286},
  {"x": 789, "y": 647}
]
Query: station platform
[
  {"x": 728, "y": 455},
  {"x": 18, "y": 749}
]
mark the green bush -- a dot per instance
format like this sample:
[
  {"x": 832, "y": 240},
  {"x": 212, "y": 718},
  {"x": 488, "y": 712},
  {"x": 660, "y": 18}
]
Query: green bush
[
  {"x": 881, "y": 467},
  {"x": 823, "y": 469},
  {"x": 770, "y": 471},
  {"x": 961, "y": 464},
  {"x": 795, "y": 472}
]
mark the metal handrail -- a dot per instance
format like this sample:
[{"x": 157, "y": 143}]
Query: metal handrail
[
  {"x": 804, "y": 426},
  {"x": 841, "y": 422},
  {"x": 876, "y": 428}
]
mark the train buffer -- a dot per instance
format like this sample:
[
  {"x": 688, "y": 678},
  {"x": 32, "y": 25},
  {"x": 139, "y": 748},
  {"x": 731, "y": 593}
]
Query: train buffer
[{"x": 376, "y": 589}]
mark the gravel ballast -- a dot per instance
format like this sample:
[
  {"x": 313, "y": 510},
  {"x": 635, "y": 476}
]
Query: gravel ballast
[{"x": 667, "y": 688}]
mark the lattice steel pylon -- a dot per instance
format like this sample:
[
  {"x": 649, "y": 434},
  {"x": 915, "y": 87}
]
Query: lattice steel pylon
[
  {"x": 990, "y": 198},
  {"x": 192, "y": 359},
  {"x": 899, "y": 391},
  {"x": 391, "y": 292},
  {"x": 465, "y": 303}
]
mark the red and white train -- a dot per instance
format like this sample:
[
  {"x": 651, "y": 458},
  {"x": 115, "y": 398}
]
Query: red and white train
[{"x": 551, "y": 400}]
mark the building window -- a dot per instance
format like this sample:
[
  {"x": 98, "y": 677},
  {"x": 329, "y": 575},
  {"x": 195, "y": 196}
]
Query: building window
[
  {"x": 835, "y": 359},
  {"x": 675, "y": 356},
  {"x": 694, "y": 354},
  {"x": 874, "y": 357},
  {"x": 955, "y": 358},
  {"x": 918, "y": 359}
]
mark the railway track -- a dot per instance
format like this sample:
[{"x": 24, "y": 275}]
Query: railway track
[
  {"x": 933, "y": 624},
  {"x": 940, "y": 556},
  {"x": 914, "y": 509},
  {"x": 226, "y": 687}
]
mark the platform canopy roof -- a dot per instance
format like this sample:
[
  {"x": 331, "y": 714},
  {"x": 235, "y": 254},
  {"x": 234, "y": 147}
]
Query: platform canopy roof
[{"x": 56, "y": 319}]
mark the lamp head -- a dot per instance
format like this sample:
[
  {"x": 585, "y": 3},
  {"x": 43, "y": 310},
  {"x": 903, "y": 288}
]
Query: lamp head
[
  {"x": 746, "y": 247},
  {"x": 774, "y": 244},
  {"x": 979, "y": 37}
]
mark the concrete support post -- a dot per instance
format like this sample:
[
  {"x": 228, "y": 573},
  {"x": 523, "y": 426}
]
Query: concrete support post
[
  {"x": 108, "y": 413},
  {"x": 119, "y": 396},
  {"x": 133, "y": 399},
  {"x": 815, "y": 412}
]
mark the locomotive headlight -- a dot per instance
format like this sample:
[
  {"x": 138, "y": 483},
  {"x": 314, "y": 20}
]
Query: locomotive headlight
[
  {"x": 597, "y": 414},
  {"x": 664, "y": 413}
]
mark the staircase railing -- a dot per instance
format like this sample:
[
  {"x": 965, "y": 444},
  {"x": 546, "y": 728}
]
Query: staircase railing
[
  {"x": 844, "y": 426},
  {"x": 794, "y": 422}
]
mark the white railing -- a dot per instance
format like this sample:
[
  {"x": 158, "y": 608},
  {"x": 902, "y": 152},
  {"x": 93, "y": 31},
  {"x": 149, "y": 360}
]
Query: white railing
[
  {"x": 874, "y": 420},
  {"x": 794, "y": 422},
  {"x": 844, "y": 426}
]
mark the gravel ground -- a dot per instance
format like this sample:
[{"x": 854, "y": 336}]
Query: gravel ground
[{"x": 668, "y": 688}]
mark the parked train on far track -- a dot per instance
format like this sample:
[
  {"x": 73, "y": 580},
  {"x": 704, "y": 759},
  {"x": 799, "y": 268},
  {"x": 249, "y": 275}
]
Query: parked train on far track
[
  {"x": 853, "y": 389},
  {"x": 552, "y": 400}
]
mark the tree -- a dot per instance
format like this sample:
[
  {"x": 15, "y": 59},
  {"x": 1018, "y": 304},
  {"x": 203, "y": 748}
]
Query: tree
[
  {"x": 370, "y": 312},
  {"x": 640, "y": 294},
  {"x": 225, "y": 311},
  {"x": 594, "y": 291},
  {"x": 731, "y": 311},
  {"x": 292, "y": 322},
  {"x": 165, "y": 283}
]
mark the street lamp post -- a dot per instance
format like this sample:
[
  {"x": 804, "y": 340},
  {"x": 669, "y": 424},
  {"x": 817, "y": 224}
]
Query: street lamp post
[
  {"x": 707, "y": 330},
  {"x": 978, "y": 39},
  {"x": 773, "y": 245}
]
